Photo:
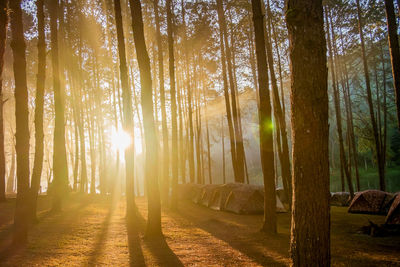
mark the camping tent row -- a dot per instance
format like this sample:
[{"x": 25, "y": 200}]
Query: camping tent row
[
  {"x": 379, "y": 203},
  {"x": 233, "y": 197}
]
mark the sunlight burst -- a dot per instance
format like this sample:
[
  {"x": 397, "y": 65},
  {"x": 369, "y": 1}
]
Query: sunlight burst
[{"x": 120, "y": 140}]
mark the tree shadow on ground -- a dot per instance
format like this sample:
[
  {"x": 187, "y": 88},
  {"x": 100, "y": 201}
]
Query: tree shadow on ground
[
  {"x": 101, "y": 237},
  {"x": 158, "y": 247},
  {"x": 262, "y": 248},
  {"x": 8, "y": 249}
]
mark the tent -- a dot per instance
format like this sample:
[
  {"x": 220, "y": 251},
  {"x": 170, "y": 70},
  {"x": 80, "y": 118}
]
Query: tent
[
  {"x": 207, "y": 193},
  {"x": 197, "y": 193},
  {"x": 393, "y": 216},
  {"x": 220, "y": 194},
  {"x": 371, "y": 202},
  {"x": 340, "y": 199},
  {"x": 249, "y": 200},
  {"x": 185, "y": 191}
]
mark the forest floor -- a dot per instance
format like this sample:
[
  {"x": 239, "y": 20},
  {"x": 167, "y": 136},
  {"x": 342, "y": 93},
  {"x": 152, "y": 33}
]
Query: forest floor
[{"x": 92, "y": 231}]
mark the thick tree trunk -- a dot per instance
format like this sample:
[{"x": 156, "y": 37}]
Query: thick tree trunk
[
  {"x": 18, "y": 46},
  {"x": 310, "y": 230},
  {"x": 394, "y": 52},
  {"x": 39, "y": 102},
  {"x": 265, "y": 121},
  {"x": 154, "y": 207},
  {"x": 127, "y": 114},
  {"x": 3, "y": 38}
]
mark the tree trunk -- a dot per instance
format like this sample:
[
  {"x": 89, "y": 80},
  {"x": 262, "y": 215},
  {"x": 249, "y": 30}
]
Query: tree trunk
[
  {"x": 226, "y": 94},
  {"x": 127, "y": 115},
  {"x": 154, "y": 207},
  {"x": 336, "y": 98},
  {"x": 11, "y": 174},
  {"x": 3, "y": 38},
  {"x": 310, "y": 230},
  {"x": 394, "y": 53},
  {"x": 60, "y": 168},
  {"x": 283, "y": 151},
  {"x": 223, "y": 150},
  {"x": 265, "y": 121},
  {"x": 381, "y": 169},
  {"x": 18, "y": 46},
  {"x": 39, "y": 102},
  {"x": 165, "y": 137},
  {"x": 174, "y": 122}
]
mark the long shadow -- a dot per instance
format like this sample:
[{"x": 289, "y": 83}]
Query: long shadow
[
  {"x": 219, "y": 229},
  {"x": 136, "y": 257},
  {"x": 8, "y": 249},
  {"x": 158, "y": 247},
  {"x": 101, "y": 238}
]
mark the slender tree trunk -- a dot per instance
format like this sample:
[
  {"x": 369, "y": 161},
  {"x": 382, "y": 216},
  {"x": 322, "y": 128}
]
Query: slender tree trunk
[
  {"x": 165, "y": 137},
  {"x": 223, "y": 151},
  {"x": 60, "y": 168},
  {"x": 336, "y": 98},
  {"x": 3, "y": 38},
  {"x": 175, "y": 166},
  {"x": 381, "y": 169},
  {"x": 394, "y": 52},
  {"x": 279, "y": 115},
  {"x": 81, "y": 120},
  {"x": 226, "y": 95},
  {"x": 265, "y": 121},
  {"x": 127, "y": 114},
  {"x": 154, "y": 207},
  {"x": 346, "y": 93},
  {"x": 39, "y": 102},
  {"x": 189, "y": 99},
  {"x": 384, "y": 107},
  {"x": 310, "y": 229},
  {"x": 11, "y": 174},
  {"x": 238, "y": 140},
  {"x": 18, "y": 46}
]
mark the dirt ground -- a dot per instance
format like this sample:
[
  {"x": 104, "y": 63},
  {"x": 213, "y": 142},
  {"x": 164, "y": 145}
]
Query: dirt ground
[{"x": 93, "y": 232}]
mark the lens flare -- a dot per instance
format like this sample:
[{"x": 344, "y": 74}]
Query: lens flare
[{"x": 120, "y": 140}]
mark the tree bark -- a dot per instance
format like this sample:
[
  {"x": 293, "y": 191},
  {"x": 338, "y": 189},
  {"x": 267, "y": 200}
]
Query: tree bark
[
  {"x": 154, "y": 207},
  {"x": 381, "y": 169},
  {"x": 174, "y": 122},
  {"x": 18, "y": 46},
  {"x": 265, "y": 121},
  {"x": 165, "y": 137},
  {"x": 310, "y": 229},
  {"x": 226, "y": 95},
  {"x": 394, "y": 53},
  {"x": 3, "y": 38},
  {"x": 127, "y": 114},
  {"x": 60, "y": 168},
  {"x": 280, "y": 117},
  {"x": 39, "y": 102},
  {"x": 336, "y": 98}
]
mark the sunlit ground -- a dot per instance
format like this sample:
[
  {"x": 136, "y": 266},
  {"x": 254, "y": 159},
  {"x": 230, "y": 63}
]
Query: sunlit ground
[{"x": 92, "y": 231}]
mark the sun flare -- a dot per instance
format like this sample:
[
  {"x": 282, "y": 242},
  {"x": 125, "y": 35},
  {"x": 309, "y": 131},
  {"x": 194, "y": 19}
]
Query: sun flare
[{"x": 120, "y": 140}]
